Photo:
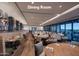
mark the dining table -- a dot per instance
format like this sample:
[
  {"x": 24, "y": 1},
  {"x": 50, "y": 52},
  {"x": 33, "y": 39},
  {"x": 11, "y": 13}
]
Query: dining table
[{"x": 61, "y": 49}]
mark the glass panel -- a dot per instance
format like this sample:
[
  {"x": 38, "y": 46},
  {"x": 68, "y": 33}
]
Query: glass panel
[
  {"x": 76, "y": 31},
  {"x": 33, "y": 28},
  {"x": 62, "y": 28},
  {"x": 58, "y": 28},
  {"x": 52, "y": 28},
  {"x": 68, "y": 31},
  {"x": 46, "y": 28}
]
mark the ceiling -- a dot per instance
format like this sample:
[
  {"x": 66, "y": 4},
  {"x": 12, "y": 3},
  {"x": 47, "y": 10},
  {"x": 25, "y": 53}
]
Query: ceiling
[{"x": 36, "y": 17}]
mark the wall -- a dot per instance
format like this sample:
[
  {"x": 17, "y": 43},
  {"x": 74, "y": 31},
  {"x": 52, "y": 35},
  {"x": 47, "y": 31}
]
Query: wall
[
  {"x": 12, "y": 10},
  {"x": 31, "y": 27}
]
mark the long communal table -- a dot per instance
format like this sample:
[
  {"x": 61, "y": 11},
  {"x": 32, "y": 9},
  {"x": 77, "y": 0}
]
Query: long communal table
[
  {"x": 27, "y": 47},
  {"x": 61, "y": 49}
]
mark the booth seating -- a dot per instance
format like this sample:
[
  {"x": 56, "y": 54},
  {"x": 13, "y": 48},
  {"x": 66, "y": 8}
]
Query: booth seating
[
  {"x": 40, "y": 38},
  {"x": 50, "y": 37},
  {"x": 38, "y": 48},
  {"x": 56, "y": 37},
  {"x": 53, "y": 38},
  {"x": 41, "y": 35}
]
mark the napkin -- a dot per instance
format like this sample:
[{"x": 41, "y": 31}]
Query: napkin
[
  {"x": 57, "y": 44},
  {"x": 50, "y": 48},
  {"x": 73, "y": 46}
]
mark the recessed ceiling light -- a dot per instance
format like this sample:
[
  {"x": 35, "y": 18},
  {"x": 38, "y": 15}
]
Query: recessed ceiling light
[{"x": 60, "y": 6}]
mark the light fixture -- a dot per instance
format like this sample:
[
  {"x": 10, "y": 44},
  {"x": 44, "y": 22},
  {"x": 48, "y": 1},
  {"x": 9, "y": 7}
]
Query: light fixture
[
  {"x": 60, "y": 6},
  {"x": 63, "y": 13}
]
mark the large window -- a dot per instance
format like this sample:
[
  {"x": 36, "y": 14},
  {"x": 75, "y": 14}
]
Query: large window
[
  {"x": 69, "y": 31},
  {"x": 63, "y": 28},
  {"x": 58, "y": 28},
  {"x": 53, "y": 28},
  {"x": 76, "y": 31},
  {"x": 46, "y": 28},
  {"x": 69, "y": 28}
]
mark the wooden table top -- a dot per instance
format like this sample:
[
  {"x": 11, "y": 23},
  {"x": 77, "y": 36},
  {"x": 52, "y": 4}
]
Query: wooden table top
[
  {"x": 27, "y": 47},
  {"x": 61, "y": 49}
]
